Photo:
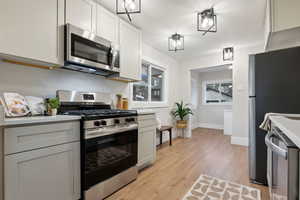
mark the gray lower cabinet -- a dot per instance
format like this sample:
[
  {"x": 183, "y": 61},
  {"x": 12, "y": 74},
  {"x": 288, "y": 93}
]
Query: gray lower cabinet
[
  {"x": 25, "y": 138},
  {"x": 50, "y": 172},
  {"x": 146, "y": 140}
]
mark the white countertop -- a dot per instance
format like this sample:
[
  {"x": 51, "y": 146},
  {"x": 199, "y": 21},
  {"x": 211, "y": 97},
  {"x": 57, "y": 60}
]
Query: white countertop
[
  {"x": 290, "y": 127},
  {"x": 37, "y": 119},
  {"x": 145, "y": 111}
]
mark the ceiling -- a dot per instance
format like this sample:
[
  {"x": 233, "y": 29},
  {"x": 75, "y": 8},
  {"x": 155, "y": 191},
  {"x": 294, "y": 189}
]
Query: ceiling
[{"x": 240, "y": 22}]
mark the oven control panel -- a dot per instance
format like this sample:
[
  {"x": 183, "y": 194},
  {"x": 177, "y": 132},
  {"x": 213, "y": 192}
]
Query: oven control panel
[
  {"x": 100, "y": 123},
  {"x": 111, "y": 122},
  {"x": 104, "y": 127}
]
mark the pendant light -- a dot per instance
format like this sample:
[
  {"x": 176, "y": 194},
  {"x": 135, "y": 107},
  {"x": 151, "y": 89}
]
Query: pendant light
[
  {"x": 207, "y": 21},
  {"x": 128, "y": 7},
  {"x": 176, "y": 42},
  {"x": 228, "y": 54}
]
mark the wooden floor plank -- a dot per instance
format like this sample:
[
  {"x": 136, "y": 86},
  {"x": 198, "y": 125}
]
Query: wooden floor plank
[{"x": 178, "y": 167}]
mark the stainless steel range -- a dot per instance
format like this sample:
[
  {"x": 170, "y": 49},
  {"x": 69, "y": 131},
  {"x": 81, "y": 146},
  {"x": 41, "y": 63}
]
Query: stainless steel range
[
  {"x": 283, "y": 166},
  {"x": 109, "y": 140}
]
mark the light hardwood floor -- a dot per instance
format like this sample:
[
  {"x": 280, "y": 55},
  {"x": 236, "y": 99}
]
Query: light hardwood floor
[{"x": 177, "y": 167}]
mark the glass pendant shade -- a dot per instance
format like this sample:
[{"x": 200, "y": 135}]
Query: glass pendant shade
[
  {"x": 207, "y": 21},
  {"x": 228, "y": 54},
  {"x": 176, "y": 42}
]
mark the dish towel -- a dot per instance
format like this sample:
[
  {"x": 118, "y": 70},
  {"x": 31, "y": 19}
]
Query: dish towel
[{"x": 266, "y": 124}]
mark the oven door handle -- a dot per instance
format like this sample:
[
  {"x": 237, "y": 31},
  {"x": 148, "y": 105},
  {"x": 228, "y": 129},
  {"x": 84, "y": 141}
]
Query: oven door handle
[
  {"x": 273, "y": 147},
  {"x": 102, "y": 132}
]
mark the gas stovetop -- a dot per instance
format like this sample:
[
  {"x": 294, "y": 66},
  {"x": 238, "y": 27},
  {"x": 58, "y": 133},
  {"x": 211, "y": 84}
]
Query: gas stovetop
[
  {"x": 92, "y": 114},
  {"x": 90, "y": 106}
]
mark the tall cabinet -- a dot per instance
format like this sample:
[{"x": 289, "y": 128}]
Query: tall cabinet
[
  {"x": 285, "y": 14},
  {"x": 282, "y": 25}
]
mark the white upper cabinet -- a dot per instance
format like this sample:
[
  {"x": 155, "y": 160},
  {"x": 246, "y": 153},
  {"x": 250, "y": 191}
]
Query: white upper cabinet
[
  {"x": 32, "y": 29},
  {"x": 126, "y": 37},
  {"x": 107, "y": 25},
  {"x": 130, "y": 52},
  {"x": 82, "y": 13},
  {"x": 285, "y": 14}
]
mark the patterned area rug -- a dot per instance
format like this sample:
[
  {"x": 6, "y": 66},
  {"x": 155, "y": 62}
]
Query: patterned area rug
[{"x": 211, "y": 188}]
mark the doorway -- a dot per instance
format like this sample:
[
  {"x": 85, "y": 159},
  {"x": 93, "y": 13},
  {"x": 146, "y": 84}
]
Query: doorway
[{"x": 212, "y": 97}]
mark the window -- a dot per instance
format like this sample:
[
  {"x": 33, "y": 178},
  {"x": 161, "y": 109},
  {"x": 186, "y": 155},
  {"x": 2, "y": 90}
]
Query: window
[
  {"x": 151, "y": 87},
  {"x": 217, "y": 92}
]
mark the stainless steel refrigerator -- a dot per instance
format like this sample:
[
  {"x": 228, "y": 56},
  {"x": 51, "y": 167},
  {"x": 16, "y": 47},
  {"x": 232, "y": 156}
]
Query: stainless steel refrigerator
[{"x": 274, "y": 86}]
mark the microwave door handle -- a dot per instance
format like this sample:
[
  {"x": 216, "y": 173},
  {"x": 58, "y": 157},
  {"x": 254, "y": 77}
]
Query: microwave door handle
[
  {"x": 111, "y": 58},
  {"x": 273, "y": 147}
]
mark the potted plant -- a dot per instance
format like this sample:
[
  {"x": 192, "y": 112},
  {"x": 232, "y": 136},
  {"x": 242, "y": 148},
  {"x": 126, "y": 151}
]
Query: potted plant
[
  {"x": 53, "y": 105},
  {"x": 181, "y": 112}
]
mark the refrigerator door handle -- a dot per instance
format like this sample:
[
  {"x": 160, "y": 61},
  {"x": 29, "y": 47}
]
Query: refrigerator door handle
[
  {"x": 273, "y": 147},
  {"x": 252, "y": 143},
  {"x": 251, "y": 75}
]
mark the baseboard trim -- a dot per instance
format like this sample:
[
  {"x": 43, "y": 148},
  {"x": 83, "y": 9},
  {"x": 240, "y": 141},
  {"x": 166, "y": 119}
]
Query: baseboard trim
[
  {"x": 194, "y": 125},
  {"x": 243, "y": 141},
  {"x": 212, "y": 126}
]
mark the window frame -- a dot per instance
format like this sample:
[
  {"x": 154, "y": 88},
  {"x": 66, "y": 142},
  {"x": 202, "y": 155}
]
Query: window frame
[
  {"x": 150, "y": 103},
  {"x": 204, "y": 84}
]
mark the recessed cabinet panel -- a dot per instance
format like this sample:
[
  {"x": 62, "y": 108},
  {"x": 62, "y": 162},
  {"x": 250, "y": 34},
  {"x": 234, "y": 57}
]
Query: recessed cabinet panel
[
  {"x": 130, "y": 51},
  {"x": 146, "y": 141},
  {"x": 31, "y": 29},
  {"x": 147, "y": 123},
  {"x": 50, "y": 173},
  {"x": 81, "y": 13},
  {"x": 18, "y": 139},
  {"x": 107, "y": 25}
]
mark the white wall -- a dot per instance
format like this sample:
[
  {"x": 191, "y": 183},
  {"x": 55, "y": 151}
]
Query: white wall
[
  {"x": 195, "y": 98},
  {"x": 240, "y": 84},
  {"x": 173, "y": 94},
  {"x": 44, "y": 83},
  {"x": 211, "y": 116}
]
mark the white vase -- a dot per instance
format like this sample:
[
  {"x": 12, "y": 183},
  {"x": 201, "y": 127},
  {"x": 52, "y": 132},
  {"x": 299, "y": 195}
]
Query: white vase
[{"x": 53, "y": 112}]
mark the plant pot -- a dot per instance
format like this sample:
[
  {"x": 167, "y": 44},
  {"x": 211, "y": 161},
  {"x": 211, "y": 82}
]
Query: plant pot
[
  {"x": 181, "y": 124},
  {"x": 53, "y": 112}
]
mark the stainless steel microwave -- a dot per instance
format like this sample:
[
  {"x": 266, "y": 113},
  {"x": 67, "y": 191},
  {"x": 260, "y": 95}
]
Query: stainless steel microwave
[{"x": 87, "y": 52}]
